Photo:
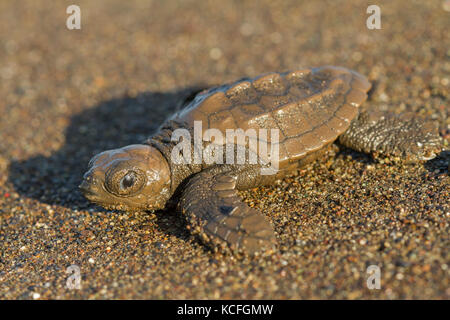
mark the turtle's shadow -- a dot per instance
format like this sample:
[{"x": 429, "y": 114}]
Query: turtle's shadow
[
  {"x": 110, "y": 124},
  {"x": 440, "y": 164}
]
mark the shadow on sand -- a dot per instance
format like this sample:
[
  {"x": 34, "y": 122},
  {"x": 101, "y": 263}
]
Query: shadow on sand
[{"x": 108, "y": 125}]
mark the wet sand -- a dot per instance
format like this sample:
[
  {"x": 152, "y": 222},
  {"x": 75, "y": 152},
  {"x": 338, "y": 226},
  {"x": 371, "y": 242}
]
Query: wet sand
[{"x": 69, "y": 94}]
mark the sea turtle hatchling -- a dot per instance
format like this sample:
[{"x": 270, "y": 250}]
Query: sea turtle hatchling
[{"x": 311, "y": 108}]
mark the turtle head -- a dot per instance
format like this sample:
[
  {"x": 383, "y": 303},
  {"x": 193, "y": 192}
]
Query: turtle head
[{"x": 132, "y": 178}]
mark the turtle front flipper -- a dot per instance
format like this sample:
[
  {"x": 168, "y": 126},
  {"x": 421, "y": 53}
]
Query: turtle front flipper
[
  {"x": 217, "y": 214},
  {"x": 406, "y": 136}
]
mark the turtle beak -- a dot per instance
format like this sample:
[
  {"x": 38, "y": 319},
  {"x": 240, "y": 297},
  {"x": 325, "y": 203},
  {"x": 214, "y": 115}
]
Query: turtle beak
[
  {"x": 84, "y": 187},
  {"x": 89, "y": 187}
]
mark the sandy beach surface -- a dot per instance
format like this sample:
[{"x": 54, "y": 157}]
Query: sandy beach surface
[{"x": 66, "y": 95}]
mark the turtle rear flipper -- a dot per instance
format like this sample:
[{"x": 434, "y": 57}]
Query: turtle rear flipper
[
  {"x": 217, "y": 214},
  {"x": 406, "y": 136}
]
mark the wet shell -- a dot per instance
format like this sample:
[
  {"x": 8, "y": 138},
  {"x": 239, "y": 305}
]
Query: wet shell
[{"x": 310, "y": 107}]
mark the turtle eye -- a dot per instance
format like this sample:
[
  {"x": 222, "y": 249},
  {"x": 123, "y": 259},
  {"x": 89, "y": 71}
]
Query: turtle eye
[
  {"x": 128, "y": 180},
  {"x": 125, "y": 182}
]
